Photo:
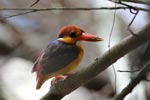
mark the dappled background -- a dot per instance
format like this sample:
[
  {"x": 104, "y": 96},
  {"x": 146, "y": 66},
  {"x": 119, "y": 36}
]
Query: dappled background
[{"x": 23, "y": 37}]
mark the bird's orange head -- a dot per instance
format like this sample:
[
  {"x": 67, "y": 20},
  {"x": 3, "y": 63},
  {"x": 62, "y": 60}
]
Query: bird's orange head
[{"x": 71, "y": 34}]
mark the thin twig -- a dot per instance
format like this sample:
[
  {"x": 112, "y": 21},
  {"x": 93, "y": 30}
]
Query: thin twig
[
  {"x": 109, "y": 41},
  {"x": 130, "y": 71},
  {"x": 34, "y": 3},
  {"x": 32, "y": 10},
  {"x": 135, "y": 14},
  {"x": 79, "y": 8},
  {"x": 19, "y": 14}
]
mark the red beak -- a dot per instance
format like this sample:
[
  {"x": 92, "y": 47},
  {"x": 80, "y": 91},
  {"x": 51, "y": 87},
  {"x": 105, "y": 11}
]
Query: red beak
[{"x": 89, "y": 37}]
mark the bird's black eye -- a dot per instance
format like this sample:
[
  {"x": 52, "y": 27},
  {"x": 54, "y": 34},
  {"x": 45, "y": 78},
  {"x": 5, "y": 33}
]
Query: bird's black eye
[
  {"x": 82, "y": 31},
  {"x": 73, "y": 34}
]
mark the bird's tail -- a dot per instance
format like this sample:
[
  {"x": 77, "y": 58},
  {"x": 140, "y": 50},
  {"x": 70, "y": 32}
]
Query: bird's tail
[{"x": 40, "y": 80}]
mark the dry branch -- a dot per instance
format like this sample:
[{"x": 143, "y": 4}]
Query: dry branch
[{"x": 71, "y": 8}]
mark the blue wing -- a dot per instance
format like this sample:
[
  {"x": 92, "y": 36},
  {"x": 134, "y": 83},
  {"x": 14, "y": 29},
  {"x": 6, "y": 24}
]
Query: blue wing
[{"x": 58, "y": 55}]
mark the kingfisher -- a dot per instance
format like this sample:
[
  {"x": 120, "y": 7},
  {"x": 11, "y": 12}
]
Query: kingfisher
[{"x": 63, "y": 55}]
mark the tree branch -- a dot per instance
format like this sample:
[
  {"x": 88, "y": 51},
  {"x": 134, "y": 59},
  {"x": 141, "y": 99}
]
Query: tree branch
[
  {"x": 63, "y": 8},
  {"x": 71, "y": 8},
  {"x": 63, "y": 88},
  {"x": 33, "y": 10},
  {"x": 134, "y": 82},
  {"x": 147, "y": 2}
]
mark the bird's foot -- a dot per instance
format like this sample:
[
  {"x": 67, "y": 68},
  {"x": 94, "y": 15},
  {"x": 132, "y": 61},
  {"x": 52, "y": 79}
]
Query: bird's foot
[{"x": 60, "y": 78}]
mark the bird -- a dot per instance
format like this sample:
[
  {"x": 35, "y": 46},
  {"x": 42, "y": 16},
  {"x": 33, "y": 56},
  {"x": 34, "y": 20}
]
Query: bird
[{"x": 63, "y": 55}]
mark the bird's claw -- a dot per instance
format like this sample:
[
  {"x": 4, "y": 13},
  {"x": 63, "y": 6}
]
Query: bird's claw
[
  {"x": 60, "y": 78},
  {"x": 57, "y": 78}
]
